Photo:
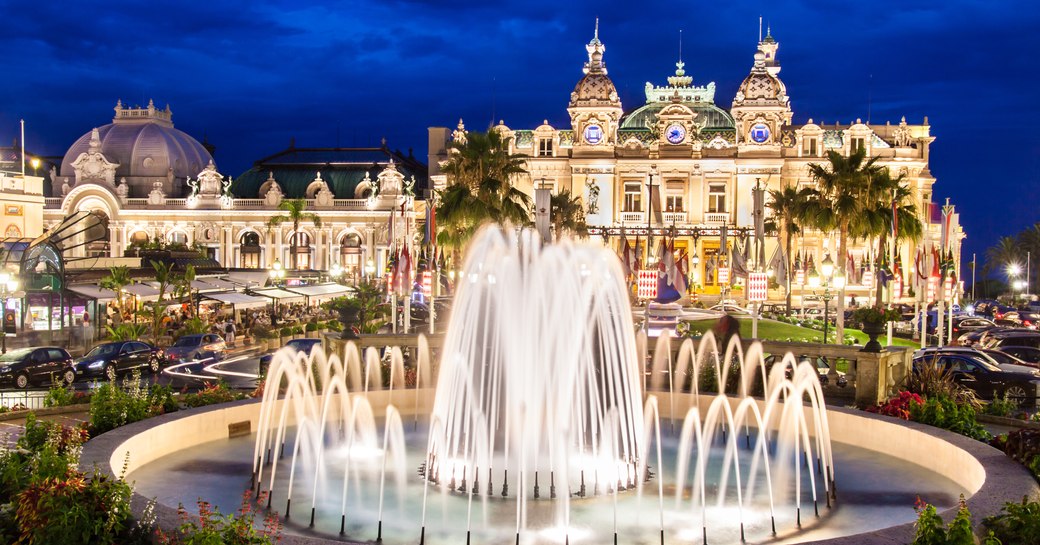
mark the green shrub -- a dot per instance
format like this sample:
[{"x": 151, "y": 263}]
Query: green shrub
[
  {"x": 127, "y": 331},
  {"x": 1017, "y": 523},
  {"x": 59, "y": 395},
  {"x": 930, "y": 380},
  {"x": 311, "y": 326},
  {"x": 1001, "y": 406},
  {"x": 334, "y": 325},
  {"x": 217, "y": 529},
  {"x": 213, "y": 393},
  {"x": 931, "y": 530},
  {"x": 112, "y": 406},
  {"x": 286, "y": 331},
  {"x": 297, "y": 330},
  {"x": 943, "y": 412},
  {"x": 75, "y": 509}
]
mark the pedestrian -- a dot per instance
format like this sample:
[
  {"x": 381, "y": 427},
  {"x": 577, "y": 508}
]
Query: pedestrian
[
  {"x": 229, "y": 333},
  {"x": 725, "y": 329}
]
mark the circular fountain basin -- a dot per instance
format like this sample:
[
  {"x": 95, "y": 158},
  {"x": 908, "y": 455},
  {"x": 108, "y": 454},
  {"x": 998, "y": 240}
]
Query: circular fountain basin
[{"x": 882, "y": 465}]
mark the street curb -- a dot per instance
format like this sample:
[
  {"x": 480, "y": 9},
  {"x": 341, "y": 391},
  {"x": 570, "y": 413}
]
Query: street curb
[{"x": 1008, "y": 421}]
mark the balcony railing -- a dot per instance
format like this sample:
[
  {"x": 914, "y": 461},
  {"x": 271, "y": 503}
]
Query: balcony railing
[
  {"x": 239, "y": 204},
  {"x": 632, "y": 217},
  {"x": 716, "y": 218},
  {"x": 674, "y": 217}
]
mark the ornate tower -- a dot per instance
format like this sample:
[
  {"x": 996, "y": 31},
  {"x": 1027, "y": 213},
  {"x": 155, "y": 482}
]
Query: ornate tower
[
  {"x": 761, "y": 106},
  {"x": 595, "y": 108}
]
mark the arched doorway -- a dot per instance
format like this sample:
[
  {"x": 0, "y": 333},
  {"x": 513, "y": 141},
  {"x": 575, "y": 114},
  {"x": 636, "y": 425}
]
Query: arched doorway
[
  {"x": 300, "y": 243},
  {"x": 350, "y": 255},
  {"x": 99, "y": 246},
  {"x": 250, "y": 248}
]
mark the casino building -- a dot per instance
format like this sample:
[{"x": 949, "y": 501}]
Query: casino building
[{"x": 682, "y": 165}]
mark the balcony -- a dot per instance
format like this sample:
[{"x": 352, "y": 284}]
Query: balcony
[
  {"x": 674, "y": 217},
  {"x": 632, "y": 217},
  {"x": 359, "y": 205},
  {"x": 716, "y": 218}
]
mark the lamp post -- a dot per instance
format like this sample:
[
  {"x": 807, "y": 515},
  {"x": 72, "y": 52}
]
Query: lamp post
[
  {"x": 826, "y": 279},
  {"x": 8, "y": 285},
  {"x": 1013, "y": 271},
  {"x": 35, "y": 162},
  {"x": 650, "y": 210},
  {"x": 277, "y": 273},
  {"x": 336, "y": 271}
]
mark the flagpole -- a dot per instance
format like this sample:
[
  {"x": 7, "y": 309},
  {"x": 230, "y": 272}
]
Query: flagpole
[{"x": 973, "y": 277}]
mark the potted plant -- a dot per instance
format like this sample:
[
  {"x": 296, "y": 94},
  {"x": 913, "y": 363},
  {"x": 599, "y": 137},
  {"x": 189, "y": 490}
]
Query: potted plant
[
  {"x": 297, "y": 331},
  {"x": 311, "y": 328},
  {"x": 286, "y": 332},
  {"x": 873, "y": 320},
  {"x": 274, "y": 340},
  {"x": 349, "y": 310}
]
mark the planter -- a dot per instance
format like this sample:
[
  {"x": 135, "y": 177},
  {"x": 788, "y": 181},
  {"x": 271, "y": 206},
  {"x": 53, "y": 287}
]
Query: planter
[
  {"x": 348, "y": 318},
  {"x": 873, "y": 329},
  {"x": 274, "y": 344},
  {"x": 286, "y": 339},
  {"x": 312, "y": 334}
]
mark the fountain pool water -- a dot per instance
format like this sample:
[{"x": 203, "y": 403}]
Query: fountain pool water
[{"x": 548, "y": 424}]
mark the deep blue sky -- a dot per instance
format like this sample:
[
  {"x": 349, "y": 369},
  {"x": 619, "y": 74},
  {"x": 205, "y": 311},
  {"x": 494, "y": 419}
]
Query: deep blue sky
[{"x": 250, "y": 75}]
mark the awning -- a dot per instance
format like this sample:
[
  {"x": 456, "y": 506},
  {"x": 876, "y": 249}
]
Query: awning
[
  {"x": 249, "y": 278},
  {"x": 219, "y": 283},
  {"x": 143, "y": 292},
  {"x": 281, "y": 295},
  {"x": 202, "y": 286},
  {"x": 91, "y": 291},
  {"x": 239, "y": 300},
  {"x": 327, "y": 290}
]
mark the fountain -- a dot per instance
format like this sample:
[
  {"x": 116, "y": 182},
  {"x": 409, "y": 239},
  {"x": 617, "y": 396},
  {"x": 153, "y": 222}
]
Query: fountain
[{"x": 548, "y": 420}]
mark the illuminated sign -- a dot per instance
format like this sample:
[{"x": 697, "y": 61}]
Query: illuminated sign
[
  {"x": 723, "y": 275},
  {"x": 647, "y": 284},
  {"x": 758, "y": 287}
]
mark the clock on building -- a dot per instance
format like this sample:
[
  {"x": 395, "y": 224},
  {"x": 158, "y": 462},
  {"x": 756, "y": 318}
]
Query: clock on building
[
  {"x": 675, "y": 133},
  {"x": 593, "y": 134},
  {"x": 759, "y": 133}
]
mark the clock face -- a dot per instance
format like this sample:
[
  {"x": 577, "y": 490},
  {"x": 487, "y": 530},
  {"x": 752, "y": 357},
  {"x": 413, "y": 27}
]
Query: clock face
[
  {"x": 593, "y": 134},
  {"x": 675, "y": 133},
  {"x": 759, "y": 133}
]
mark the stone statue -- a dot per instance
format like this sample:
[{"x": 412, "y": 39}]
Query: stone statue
[
  {"x": 122, "y": 190},
  {"x": 157, "y": 197},
  {"x": 274, "y": 195},
  {"x": 65, "y": 187}
]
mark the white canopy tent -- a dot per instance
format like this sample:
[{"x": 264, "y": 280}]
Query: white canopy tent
[
  {"x": 219, "y": 283},
  {"x": 144, "y": 292},
  {"x": 240, "y": 301},
  {"x": 320, "y": 292},
  {"x": 282, "y": 296},
  {"x": 92, "y": 291},
  {"x": 249, "y": 279}
]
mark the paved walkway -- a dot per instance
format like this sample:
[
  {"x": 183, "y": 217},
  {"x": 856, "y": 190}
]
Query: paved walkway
[{"x": 11, "y": 430}]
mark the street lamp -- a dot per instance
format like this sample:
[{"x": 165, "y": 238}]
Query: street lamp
[
  {"x": 370, "y": 268},
  {"x": 277, "y": 273},
  {"x": 8, "y": 285},
  {"x": 35, "y": 162},
  {"x": 827, "y": 280},
  {"x": 1013, "y": 271},
  {"x": 336, "y": 271}
]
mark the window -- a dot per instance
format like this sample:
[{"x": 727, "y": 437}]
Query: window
[
  {"x": 177, "y": 237},
  {"x": 673, "y": 203},
  {"x": 809, "y": 147},
  {"x": 545, "y": 147},
  {"x": 633, "y": 197},
  {"x": 717, "y": 198},
  {"x": 350, "y": 254},
  {"x": 300, "y": 243},
  {"x": 250, "y": 245},
  {"x": 857, "y": 144}
]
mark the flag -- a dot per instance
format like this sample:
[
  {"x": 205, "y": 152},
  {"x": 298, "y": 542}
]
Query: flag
[
  {"x": 626, "y": 256},
  {"x": 947, "y": 212},
  {"x": 935, "y": 263},
  {"x": 430, "y": 231},
  {"x": 779, "y": 265},
  {"x": 723, "y": 241},
  {"x": 738, "y": 261},
  {"x": 895, "y": 217}
]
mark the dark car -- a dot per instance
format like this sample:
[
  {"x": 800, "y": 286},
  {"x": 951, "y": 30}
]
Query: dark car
[
  {"x": 1020, "y": 318},
  {"x": 298, "y": 345},
  {"x": 1003, "y": 358},
  {"x": 823, "y": 368},
  {"x": 984, "y": 307},
  {"x": 978, "y": 374},
  {"x": 420, "y": 312},
  {"x": 112, "y": 359},
  {"x": 998, "y": 311},
  {"x": 36, "y": 365},
  {"x": 1028, "y": 354},
  {"x": 197, "y": 347},
  {"x": 1012, "y": 337},
  {"x": 977, "y": 336},
  {"x": 964, "y": 323}
]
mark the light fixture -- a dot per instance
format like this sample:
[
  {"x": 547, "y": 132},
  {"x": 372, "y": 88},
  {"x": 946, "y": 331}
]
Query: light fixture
[
  {"x": 827, "y": 267},
  {"x": 838, "y": 280},
  {"x": 814, "y": 279}
]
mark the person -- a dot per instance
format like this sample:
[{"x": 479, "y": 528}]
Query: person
[
  {"x": 852, "y": 302},
  {"x": 725, "y": 329},
  {"x": 229, "y": 333}
]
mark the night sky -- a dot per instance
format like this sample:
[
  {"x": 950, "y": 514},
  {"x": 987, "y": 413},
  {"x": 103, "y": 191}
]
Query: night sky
[{"x": 248, "y": 76}]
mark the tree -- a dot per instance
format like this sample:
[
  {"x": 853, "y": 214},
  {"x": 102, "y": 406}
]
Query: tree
[
  {"x": 369, "y": 301},
  {"x": 183, "y": 288},
  {"x": 165, "y": 277},
  {"x": 789, "y": 206},
  {"x": 296, "y": 213},
  {"x": 480, "y": 171},
  {"x": 882, "y": 190},
  {"x": 1002, "y": 254},
  {"x": 567, "y": 215},
  {"x": 1030, "y": 241},
  {"x": 839, "y": 203},
  {"x": 117, "y": 279}
]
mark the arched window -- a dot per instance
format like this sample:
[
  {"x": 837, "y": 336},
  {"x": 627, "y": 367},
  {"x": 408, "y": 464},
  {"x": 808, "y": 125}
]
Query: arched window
[
  {"x": 350, "y": 254},
  {"x": 300, "y": 243},
  {"x": 250, "y": 247},
  {"x": 176, "y": 237},
  {"x": 99, "y": 247},
  {"x": 13, "y": 231}
]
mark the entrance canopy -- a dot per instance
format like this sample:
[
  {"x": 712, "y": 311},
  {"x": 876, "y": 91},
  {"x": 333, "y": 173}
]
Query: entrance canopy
[
  {"x": 249, "y": 278},
  {"x": 143, "y": 292},
  {"x": 91, "y": 291},
  {"x": 281, "y": 295},
  {"x": 321, "y": 291},
  {"x": 240, "y": 301}
]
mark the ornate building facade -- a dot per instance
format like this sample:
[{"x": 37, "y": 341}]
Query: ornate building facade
[
  {"x": 154, "y": 182},
  {"x": 681, "y": 165}
]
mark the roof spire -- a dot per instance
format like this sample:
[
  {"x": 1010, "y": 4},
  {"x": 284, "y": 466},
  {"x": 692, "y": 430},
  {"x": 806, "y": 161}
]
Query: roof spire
[
  {"x": 680, "y": 45},
  {"x": 595, "y": 34},
  {"x": 595, "y": 49},
  {"x": 760, "y": 28}
]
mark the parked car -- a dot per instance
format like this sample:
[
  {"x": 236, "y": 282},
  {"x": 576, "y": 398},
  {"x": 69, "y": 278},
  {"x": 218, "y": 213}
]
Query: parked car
[
  {"x": 981, "y": 376},
  {"x": 36, "y": 365},
  {"x": 198, "y": 347},
  {"x": 297, "y": 345},
  {"x": 1012, "y": 337},
  {"x": 1004, "y": 361},
  {"x": 420, "y": 312},
  {"x": 823, "y": 368},
  {"x": 1003, "y": 358},
  {"x": 998, "y": 311},
  {"x": 1020, "y": 318},
  {"x": 964, "y": 323},
  {"x": 983, "y": 307},
  {"x": 976, "y": 336},
  {"x": 1028, "y": 354},
  {"x": 112, "y": 359},
  {"x": 730, "y": 308}
]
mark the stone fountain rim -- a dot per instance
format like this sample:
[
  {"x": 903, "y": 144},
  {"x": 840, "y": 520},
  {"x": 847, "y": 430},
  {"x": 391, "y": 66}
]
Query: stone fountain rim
[{"x": 1005, "y": 480}]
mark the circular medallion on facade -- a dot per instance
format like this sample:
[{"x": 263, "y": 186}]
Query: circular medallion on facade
[
  {"x": 759, "y": 133},
  {"x": 593, "y": 134},
  {"x": 675, "y": 133}
]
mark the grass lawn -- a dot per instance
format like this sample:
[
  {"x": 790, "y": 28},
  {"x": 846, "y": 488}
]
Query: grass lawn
[{"x": 773, "y": 330}]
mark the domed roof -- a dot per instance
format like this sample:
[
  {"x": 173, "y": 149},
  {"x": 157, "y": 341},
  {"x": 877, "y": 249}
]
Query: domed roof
[
  {"x": 144, "y": 143},
  {"x": 706, "y": 115},
  {"x": 760, "y": 84},
  {"x": 595, "y": 87}
]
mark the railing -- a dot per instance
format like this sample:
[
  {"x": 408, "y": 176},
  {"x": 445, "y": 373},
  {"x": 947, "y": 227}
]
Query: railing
[
  {"x": 674, "y": 217},
  {"x": 32, "y": 400},
  {"x": 632, "y": 217},
  {"x": 52, "y": 202},
  {"x": 716, "y": 218},
  {"x": 239, "y": 204}
]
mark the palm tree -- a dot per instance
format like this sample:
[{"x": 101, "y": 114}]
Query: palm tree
[
  {"x": 839, "y": 204},
  {"x": 164, "y": 276},
  {"x": 1002, "y": 254},
  {"x": 117, "y": 279},
  {"x": 295, "y": 213},
  {"x": 567, "y": 214},
  {"x": 183, "y": 288},
  {"x": 876, "y": 221},
  {"x": 1030, "y": 241},
  {"x": 789, "y": 206},
  {"x": 480, "y": 170}
]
